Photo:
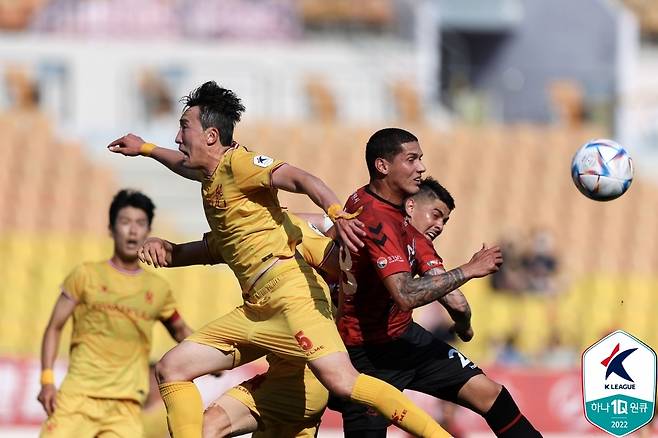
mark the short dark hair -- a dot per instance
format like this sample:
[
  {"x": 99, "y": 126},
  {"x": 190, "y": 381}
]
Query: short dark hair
[
  {"x": 218, "y": 108},
  {"x": 386, "y": 143},
  {"x": 431, "y": 188},
  {"x": 131, "y": 198}
]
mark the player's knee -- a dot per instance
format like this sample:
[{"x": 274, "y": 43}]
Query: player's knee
[
  {"x": 216, "y": 423},
  {"x": 480, "y": 392},
  {"x": 166, "y": 370}
]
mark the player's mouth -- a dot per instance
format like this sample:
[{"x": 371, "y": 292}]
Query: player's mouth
[
  {"x": 432, "y": 234},
  {"x": 132, "y": 244}
]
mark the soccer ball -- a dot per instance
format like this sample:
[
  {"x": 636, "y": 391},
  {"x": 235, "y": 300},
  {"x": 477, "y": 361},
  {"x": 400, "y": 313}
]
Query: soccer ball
[{"x": 602, "y": 170}]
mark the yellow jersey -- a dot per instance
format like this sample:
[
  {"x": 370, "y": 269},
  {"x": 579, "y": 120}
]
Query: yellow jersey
[
  {"x": 315, "y": 247},
  {"x": 112, "y": 329},
  {"x": 241, "y": 206}
]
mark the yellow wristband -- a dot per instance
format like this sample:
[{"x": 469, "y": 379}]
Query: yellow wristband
[
  {"x": 47, "y": 377},
  {"x": 335, "y": 211},
  {"x": 146, "y": 149}
]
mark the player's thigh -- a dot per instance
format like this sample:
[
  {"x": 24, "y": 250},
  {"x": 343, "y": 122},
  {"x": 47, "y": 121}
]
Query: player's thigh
[
  {"x": 301, "y": 324},
  {"x": 479, "y": 393},
  {"x": 228, "y": 416},
  {"x": 189, "y": 360},
  {"x": 122, "y": 419},
  {"x": 287, "y": 394},
  {"x": 75, "y": 415},
  {"x": 440, "y": 370}
]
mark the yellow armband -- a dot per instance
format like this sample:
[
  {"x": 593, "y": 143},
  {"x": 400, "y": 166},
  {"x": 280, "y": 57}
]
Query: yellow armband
[
  {"x": 47, "y": 377},
  {"x": 335, "y": 211},
  {"x": 146, "y": 149}
]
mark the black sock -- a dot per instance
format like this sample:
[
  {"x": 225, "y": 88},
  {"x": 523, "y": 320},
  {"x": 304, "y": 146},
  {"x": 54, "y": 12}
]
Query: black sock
[{"x": 506, "y": 421}]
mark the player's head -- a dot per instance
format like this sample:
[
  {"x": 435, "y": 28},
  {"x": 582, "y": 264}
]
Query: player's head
[
  {"x": 208, "y": 119},
  {"x": 429, "y": 209},
  {"x": 394, "y": 156},
  {"x": 131, "y": 214}
]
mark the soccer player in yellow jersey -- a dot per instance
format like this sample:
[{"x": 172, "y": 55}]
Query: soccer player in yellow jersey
[
  {"x": 287, "y": 309},
  {"x": 114, "y": 304},
  {"x": 287, "y": 400}
]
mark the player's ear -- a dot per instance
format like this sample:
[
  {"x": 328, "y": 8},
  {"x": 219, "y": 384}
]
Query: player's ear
[
  {"x": 212, "y": 136},
  {"x": 409, "y": 205},
  {"x": 381, "y": 165}
]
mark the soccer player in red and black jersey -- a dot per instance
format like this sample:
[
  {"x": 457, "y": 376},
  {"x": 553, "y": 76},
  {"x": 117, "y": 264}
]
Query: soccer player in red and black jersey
[{"x": 379, "y": 291}]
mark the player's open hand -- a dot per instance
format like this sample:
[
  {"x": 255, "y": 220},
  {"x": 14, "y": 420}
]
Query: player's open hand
[
  {"x": 484, "y": 262},
  {"x": 350, "y": 232},
  {"x": 128, "y": 145},
  {"x": 47, "y": 397},
  {"x": 156, "y": 252}
]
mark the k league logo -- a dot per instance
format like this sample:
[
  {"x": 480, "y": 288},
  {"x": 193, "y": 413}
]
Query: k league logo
[{"x": 619, "y": 383}]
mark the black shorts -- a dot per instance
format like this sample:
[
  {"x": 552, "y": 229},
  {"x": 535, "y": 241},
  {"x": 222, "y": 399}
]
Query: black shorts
[{"x": 417, "y": 361}]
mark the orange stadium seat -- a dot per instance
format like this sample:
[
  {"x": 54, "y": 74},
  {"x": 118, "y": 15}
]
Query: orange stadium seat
[{"x": 53, "y": 216}]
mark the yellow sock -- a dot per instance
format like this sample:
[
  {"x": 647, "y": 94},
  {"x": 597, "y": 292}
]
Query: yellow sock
[
  {"x": 395, "y": 406},
  {"x": 184, "y": 409}
]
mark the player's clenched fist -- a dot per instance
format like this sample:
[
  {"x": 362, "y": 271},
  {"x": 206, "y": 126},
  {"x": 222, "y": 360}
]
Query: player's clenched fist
[
  {"x": 129, "y": 144},
  {"x": 155, "y": 252},
  {"x": 484, "y": 262}
]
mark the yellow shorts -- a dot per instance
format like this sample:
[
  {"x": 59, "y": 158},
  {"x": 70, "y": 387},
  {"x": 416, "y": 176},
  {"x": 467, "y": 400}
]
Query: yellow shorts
[
  {"x": 288, "y": 313},
  {"x": 288, "y": 400},
  {"x": 82, "y": 416}
]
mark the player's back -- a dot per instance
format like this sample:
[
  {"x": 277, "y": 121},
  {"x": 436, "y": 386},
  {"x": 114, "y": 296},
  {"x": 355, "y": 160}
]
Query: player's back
[{"x": 368, "y": 313}]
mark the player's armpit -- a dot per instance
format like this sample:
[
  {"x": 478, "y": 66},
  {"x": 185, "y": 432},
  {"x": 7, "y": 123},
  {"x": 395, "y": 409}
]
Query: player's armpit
[{"x": 409, "y": 293}]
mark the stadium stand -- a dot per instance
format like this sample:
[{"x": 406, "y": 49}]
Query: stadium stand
[{"x": 54, "y": 216}]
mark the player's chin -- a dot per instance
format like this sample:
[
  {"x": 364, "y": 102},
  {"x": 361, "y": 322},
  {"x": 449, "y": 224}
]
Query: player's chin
[
  {"x": 129, "y": 253},
  {"x": 413, "y": 187}
]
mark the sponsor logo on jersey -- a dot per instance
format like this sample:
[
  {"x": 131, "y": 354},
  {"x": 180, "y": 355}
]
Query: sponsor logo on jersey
[
  {"x": 382, "y": 262},
  {"x": 263, "y": 161}
]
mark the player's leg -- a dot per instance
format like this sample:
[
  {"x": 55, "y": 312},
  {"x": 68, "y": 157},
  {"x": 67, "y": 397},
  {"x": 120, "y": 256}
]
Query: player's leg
[
  {"x": 122, "y": 418},
  {"x": 304, "y": 328},
  {"x": 285, "y": 402},
  {"x": 361, "y": 421},
  {"x": 227, "y": 416},
  {"x": 75, "y": 415},
  {"x": 212, "y": 348},
  {"x": 336, "y": 372},
  {"x": 442, "y": 371},
  {"x": 496, "y": 405}
]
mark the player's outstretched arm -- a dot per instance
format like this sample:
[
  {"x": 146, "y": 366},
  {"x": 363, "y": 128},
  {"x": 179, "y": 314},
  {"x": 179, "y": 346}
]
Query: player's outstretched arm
[
  {"x": 293, "y": 179},
  {"x": 62, "y": 311},
  {"x": 458, "y": 308},
  {"x": 409, "y": 292},
  {"x": 132, "y": 145},
  {"x": 159, "y": 253}
]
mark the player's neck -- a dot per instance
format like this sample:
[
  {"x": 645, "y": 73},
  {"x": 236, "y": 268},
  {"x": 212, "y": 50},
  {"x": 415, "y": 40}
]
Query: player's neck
[
  {"x": 124, "y": 265},
  {"x": 214, "y": 157},
  {"x": 380, "y": 188}
]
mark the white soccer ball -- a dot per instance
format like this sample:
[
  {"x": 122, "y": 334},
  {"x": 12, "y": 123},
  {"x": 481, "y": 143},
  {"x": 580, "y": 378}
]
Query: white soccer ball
[{"x": 602, "y": 170}]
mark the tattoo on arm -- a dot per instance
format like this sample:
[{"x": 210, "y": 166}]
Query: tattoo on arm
[
  {"x": 457, "y": 306},
  {"x": 416, "y": 292}
]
